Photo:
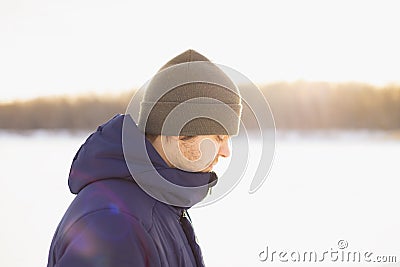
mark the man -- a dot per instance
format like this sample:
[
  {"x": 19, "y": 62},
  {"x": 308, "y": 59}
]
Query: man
[{"x": 133, "y": 192}]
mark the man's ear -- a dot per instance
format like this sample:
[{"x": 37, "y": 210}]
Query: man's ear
[{"x": 167, "y": 138}]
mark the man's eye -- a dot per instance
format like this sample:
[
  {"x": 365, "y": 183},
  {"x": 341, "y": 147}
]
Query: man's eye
[{"x": 185, "y": 138}]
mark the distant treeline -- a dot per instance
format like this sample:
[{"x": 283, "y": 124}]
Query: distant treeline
[
  {"x": 298, "y": 105},
  {"x": 322, "y": 105},
  {"x": 74, "y": 113}
]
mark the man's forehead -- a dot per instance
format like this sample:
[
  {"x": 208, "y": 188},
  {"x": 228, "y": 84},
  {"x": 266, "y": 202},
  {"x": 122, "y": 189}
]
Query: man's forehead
[{"x": 218, "y": 137}]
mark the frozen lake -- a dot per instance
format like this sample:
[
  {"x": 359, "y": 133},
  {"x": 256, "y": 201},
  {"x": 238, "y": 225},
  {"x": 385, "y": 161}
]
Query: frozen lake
[{"x": 323, "y": 187}]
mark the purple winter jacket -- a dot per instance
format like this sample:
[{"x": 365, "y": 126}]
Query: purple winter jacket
[{"x": 112, "y": 221}]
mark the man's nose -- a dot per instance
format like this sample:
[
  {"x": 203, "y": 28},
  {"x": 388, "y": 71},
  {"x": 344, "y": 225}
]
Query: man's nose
[{"x": 224, "y": 150}]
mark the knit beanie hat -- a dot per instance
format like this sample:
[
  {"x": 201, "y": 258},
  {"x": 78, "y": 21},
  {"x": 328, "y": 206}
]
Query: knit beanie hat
[{"x": 190, "y": 96}]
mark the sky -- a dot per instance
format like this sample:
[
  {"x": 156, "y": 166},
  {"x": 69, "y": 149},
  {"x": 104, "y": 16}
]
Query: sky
[{"x": 67, "y": 47}]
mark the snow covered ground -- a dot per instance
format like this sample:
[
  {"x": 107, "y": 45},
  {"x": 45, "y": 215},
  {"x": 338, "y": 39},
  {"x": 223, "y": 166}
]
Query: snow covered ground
[{"x": 323, "y": 187}]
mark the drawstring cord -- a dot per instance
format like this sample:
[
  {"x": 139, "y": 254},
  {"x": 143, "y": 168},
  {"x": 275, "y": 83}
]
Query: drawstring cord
[{"x": 187, "y": 227}]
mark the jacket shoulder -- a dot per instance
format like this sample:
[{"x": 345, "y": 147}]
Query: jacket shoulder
[
  {"x": 106, "y": 236},
  {"x": 116, "y": 196}
]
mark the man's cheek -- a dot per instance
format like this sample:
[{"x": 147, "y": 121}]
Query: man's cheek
[
  {"x": 208, "y": 150},
  {"x": 190, "y": 151}
]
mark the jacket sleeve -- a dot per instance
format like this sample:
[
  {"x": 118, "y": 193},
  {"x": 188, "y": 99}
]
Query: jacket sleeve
[{"x": 107, "y": 238}]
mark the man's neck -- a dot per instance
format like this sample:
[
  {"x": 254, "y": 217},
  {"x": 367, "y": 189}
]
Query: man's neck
[{"x": 158, "y": 147}]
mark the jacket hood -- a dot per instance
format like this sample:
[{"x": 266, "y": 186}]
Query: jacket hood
[{"x": 119, "y": 150}]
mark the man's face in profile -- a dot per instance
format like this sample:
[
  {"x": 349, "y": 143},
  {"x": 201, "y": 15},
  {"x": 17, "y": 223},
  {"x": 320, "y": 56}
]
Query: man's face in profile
[{"x": 195, "y": 153}]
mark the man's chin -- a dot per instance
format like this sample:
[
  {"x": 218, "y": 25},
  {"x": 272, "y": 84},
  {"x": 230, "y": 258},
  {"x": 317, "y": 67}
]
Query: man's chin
[
  {"x": 209, "y": 168},
  {"x": 196, "y": 168}
]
